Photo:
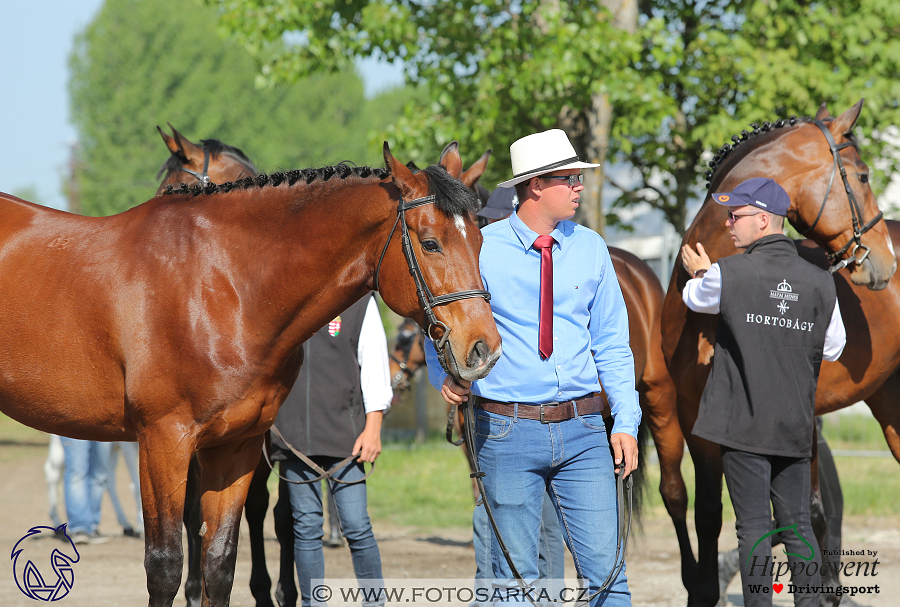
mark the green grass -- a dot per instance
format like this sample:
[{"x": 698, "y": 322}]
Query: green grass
[
  {"x": 17, "y": 440},
  {"x": 425, "y": 486},
  {"x": 854, "y": 432}
]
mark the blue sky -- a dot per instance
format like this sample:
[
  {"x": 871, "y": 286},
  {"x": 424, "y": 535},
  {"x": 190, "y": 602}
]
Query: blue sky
[{"x": 34, "y": 103}]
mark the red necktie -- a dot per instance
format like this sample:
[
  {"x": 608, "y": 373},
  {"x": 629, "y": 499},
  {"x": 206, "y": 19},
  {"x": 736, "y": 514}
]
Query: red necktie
[{"x": 545, "y": 333}]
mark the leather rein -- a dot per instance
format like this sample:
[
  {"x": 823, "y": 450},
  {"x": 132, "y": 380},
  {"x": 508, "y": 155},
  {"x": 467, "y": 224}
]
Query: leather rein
[{"x": 855, "y": 212}]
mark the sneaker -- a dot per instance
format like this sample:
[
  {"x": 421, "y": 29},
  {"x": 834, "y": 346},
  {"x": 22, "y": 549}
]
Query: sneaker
[
  {"x": 80, "y": 538},
  {"x": 729, "y": 564},
  {"x": 129, "y": 532},
  {"x": 98, "y": 538}
]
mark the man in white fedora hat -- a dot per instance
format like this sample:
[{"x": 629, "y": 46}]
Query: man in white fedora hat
[{"x": 539, "y": 417}]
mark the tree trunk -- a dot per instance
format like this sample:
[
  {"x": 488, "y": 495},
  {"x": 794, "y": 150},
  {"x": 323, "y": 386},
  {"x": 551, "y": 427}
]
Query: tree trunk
[{"x": 590, "y": 131}]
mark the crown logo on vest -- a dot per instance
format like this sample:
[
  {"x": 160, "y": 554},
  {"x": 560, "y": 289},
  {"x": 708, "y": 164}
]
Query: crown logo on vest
[
  {"x": 784, "y": 287},
  {"x": 784, "y": 291}
]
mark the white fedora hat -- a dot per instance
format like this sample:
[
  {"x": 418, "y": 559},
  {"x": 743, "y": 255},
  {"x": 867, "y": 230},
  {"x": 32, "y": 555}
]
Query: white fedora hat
[{"x": 542, "y": 153}]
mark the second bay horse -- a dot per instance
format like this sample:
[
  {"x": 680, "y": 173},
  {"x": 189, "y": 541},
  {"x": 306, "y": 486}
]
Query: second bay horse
[
  {"x": 844, "y": 220},
  {"x": 182, "y": 317}
]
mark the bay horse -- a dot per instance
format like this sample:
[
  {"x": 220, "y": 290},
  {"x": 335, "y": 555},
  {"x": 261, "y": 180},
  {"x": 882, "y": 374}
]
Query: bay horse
[
  {"x": 803, "y": 155},
  {"x": 190, "y": 164},
  {"x": 182, "y": 319}
]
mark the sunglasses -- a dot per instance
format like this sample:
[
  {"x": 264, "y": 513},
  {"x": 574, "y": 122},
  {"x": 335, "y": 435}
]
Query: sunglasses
[
  {"x": 571, "y": 179},
  {"x": 735, "y": 216}
]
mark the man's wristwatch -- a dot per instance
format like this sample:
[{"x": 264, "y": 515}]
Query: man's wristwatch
[{"x": 699, "y": 273}]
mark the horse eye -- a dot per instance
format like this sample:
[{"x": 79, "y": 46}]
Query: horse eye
[
  {"x": 431, "y": 246},
  {"x": 863, "y": 177}
]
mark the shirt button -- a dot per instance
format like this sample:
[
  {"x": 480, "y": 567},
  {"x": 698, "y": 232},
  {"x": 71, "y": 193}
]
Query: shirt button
[
  {"x": 559, "y": 366},
  {"x": 555, "y": 339}
]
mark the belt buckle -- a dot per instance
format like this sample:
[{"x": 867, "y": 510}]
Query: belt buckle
[{"x": 542, "y": 411}]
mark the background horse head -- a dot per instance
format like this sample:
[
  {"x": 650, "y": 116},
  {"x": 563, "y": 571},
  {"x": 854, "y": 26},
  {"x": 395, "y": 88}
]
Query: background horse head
[
  {"x": 816, "y": 160},
  {"x": 212, "y": 161}
]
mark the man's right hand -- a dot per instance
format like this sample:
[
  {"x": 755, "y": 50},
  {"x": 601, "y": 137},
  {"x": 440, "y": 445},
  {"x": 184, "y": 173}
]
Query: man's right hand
[{"x": 455, "y": 391}]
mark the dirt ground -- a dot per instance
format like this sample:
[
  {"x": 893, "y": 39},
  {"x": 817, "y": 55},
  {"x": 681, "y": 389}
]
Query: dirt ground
[{"x": 112, "y": 574}]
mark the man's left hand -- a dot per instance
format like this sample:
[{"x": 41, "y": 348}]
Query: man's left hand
[{"x": 625, "y": 449}]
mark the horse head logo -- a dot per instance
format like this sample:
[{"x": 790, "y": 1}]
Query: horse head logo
[{"x": 29, "y": 578}]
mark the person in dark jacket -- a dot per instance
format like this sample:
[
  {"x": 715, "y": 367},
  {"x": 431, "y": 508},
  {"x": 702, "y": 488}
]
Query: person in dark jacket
[
  {"x": 335, "y": 410},
  {"x": 778, "y": 319}
]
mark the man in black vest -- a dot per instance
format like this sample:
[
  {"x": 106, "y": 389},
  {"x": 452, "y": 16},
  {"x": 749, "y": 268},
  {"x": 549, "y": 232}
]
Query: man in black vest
[
  {"x": 334, "y": 411},
  {"x": 778, "y": 318}
]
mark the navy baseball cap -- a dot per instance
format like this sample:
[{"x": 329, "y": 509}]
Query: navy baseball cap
[
  {"x": 760, "y": 192},
  {"x": 500, "y": 204}
]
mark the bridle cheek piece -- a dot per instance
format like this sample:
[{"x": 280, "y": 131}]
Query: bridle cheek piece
[
  {"x": 203, "y": 177},
  {"x": 855, "y": 212},
  {"x": 426, "y": 299}
]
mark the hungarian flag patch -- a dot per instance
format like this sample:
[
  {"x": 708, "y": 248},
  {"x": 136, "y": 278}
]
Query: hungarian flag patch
[{"x": 334, "y": 327}]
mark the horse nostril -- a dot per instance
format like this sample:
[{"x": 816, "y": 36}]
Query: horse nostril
[{"x": 477, "y": 355}]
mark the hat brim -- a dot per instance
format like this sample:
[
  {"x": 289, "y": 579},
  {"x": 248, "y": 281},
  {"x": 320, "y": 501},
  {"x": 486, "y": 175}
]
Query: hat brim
[
  {"x": 572, "y": 165},
  {"x": 730, "y": 199}
]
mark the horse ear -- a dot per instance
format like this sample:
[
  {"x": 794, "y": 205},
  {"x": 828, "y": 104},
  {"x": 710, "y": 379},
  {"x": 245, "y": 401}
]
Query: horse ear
[
  {"x": 403, "y": 178},
  {"x": 844, "y": 123},
  {"x": 170, "y": 142},
  {"x": 471, "y": 175},
  {"x": 823, "y": 112},
  {"x": 187, "y": 148},
  {"x": 450, "y": 159}
]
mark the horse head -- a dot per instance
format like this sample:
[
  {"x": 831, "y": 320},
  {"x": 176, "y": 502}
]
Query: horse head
[
  {"x": 438, "y": 252},
  {"x": 816, "y": 160},
  {"x": 834, "y": 204},
  {"x": 189, "y": 163}
]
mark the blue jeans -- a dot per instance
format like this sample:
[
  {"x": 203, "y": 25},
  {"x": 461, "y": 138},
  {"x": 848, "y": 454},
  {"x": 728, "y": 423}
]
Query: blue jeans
[
  {"x": 306, "y": 506},
  {"x": 571, "y": 460},
  {"x": 551, "y": 558},
  {"x": 87, "y": 469}
]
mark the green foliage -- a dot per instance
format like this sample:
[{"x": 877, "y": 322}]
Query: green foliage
[
  {"x": 692, "y": 75},
  {"x": 143, "y": 63}
]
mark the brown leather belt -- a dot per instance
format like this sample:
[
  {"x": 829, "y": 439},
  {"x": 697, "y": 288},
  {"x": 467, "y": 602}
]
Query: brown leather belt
[{"x": 550, "y": 412}]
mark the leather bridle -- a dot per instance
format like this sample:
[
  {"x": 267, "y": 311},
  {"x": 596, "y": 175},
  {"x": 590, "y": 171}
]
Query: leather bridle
[
  {"x": 203, "y": 177},
  {"x": 855, "y": 212},
  {"x": 426, "y": 299}
]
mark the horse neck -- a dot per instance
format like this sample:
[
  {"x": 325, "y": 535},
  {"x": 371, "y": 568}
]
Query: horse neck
[
  {"x": 302, "y": 256},
  {"x": 766, "y": 158}
]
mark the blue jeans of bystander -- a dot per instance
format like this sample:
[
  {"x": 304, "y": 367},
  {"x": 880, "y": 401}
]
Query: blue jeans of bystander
[{"x": 87, "y": 469}]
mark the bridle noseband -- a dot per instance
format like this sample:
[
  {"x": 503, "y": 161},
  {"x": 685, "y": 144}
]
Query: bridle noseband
[
  {"x": 836, "y": 262},
  {"x": 426, "y": 299}
]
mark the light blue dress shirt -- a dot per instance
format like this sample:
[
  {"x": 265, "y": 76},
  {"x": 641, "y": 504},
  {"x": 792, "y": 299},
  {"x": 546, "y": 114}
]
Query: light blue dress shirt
[{"x": 590, "y": 322}]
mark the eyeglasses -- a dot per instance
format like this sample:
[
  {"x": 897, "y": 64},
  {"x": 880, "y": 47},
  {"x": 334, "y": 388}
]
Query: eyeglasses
[
  {"x": 735, "y": 216},
  {"x": 572, "y": 179}
]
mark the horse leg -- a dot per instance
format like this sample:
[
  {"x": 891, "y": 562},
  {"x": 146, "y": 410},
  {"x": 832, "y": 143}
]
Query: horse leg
[
  {"x": 225, "y": 475},
  {"x": 286, "y": 592},
  {"x": 191, "y": 517},
  {"x": 885, "y": 406},
  {"x": 255, "y": 513},
  {"x": 707, "y": 458},
  {"x": 164, "y": 463},
  {"x": 820, "y": 526},
  {"x": 658, "y": 400}
]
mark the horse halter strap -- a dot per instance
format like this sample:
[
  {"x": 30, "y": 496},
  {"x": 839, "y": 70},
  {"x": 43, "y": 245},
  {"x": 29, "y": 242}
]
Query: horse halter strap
[
  {"x": 855, "y": 212},
  {"x": 426, "y": 299},
  {"x": 203, "y": 178}
]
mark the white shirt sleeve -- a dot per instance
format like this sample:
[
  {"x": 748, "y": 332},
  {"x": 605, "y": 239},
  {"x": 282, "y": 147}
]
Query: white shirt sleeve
[
  {"x": 374, "y": 371},
  {"x": 835, "y": 336},
  {"x": 704, "y": 294}
]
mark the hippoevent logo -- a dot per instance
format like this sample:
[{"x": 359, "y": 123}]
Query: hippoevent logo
[
  {"x": 806, "y": 564},
  {"x": 44, "y": 571}
]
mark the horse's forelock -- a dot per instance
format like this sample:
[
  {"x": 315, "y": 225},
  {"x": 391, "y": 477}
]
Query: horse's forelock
[{"x": 450, "y": 195}]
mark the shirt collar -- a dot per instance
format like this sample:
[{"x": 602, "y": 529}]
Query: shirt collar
[{"x": 527, "y": 236}]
